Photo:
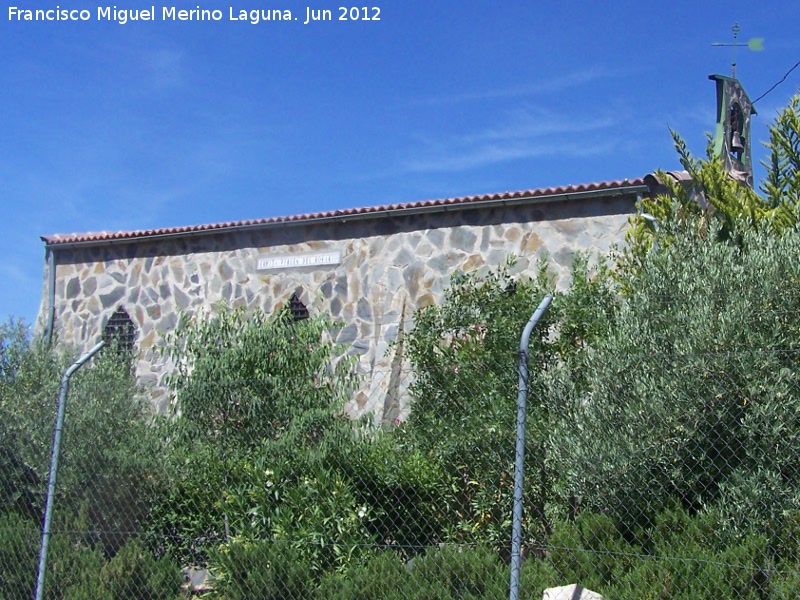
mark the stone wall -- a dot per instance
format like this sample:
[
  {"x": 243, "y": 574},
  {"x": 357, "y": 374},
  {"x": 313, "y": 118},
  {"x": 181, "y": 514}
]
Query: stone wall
[{"x": 389, "y": 266}]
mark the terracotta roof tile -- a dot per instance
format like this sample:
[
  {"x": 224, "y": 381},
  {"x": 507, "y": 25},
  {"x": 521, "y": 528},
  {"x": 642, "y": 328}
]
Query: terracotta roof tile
[{"x": 463, "y": 202}]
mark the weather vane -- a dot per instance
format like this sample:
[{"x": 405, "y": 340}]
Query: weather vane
[{"x": 756, "y": 44}]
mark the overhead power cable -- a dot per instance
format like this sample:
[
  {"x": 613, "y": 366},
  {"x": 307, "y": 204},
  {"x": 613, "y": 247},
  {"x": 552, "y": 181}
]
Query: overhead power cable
[{"x": 797, "y": 64}]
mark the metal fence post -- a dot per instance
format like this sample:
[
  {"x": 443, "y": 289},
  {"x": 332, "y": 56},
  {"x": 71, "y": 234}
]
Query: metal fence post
[
  {"x": 519, "y": 463},
  {"x": 51, "y": 484}
]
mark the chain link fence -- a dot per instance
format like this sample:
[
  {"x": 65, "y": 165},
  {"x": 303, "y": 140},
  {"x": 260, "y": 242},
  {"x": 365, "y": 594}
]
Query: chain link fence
[{"x": 655, "y": 468}]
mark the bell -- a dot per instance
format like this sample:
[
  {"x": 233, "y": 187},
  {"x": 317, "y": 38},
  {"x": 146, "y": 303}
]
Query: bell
[{"x": 736, "y": 142}]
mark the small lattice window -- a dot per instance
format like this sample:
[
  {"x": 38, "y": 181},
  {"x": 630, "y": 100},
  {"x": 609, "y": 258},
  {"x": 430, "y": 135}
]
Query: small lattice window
[
  {"x": 297, "y": 309},
  {"x": 121, "y": 331}
]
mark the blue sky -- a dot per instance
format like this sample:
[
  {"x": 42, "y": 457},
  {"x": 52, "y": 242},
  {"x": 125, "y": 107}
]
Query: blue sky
[{"x": 160, "y": 123}]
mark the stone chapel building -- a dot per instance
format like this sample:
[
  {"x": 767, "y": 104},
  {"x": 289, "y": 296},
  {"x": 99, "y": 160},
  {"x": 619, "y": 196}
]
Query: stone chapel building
[{"x": 368, "y": 268}]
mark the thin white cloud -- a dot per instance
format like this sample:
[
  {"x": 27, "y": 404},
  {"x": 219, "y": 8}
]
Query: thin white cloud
[
  {"x": 488, "y": 154},
  {"x": 546, "y": 86},
  {"x": 522, "y": 133},
  {"x": 524, "y": 123}
]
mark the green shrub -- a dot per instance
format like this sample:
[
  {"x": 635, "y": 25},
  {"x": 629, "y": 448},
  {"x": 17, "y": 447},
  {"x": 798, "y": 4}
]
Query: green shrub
[
  {"x": 265, "y": 570},
  {"x": 688, "y": 569},
  {"x": 19, "y": 547},
  {"x": 244, "y": 377},
  {"x": 678, "y": 556},
  {"x": 590, "y": 551},
  {"x": 452, "y": 571},
  {"x": 110, "y": 464},
  {"x": 29, "y": 381},
  {"x": 445, "y": 573},
  {"x": 132, "y": 573},
  {"x": 135, "y": 573},
  {"x": 255, "y": 442},
  {"x": 536, "y": 575},
  {"x": 321, "y": 518},
  {"x": 380, "y": 575},
  {"x": 404, "y": 491},
  {"x": 72, "y": 565},
  {"x": 693, "y": 395},
  {"x": 464, "y": 351}
]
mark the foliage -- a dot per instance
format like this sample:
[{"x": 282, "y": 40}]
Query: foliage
[
  {"x": 29, "y": 378},
  {"x": 72, "y": 565},
  {"x": 736, "y": 207},
  {"x": 443, "y": 573},
  {"x": 464, "y": 392},
  {"x": 135, "y": 573},
  {"x": 681, "y": 558},
  {"x": 677, "y": 556},
  {"x": 264, "y": 569},
  {"x": 464, "y": 352},
  {"x": 258, "y": 430},
  {"x": 109, "y": 472},
  {"x": 405, "y": 491},
  {"x": 685, "y": 563},
  {"x": 590, "y": 550},
  {"x": 782, "y": 183},
  {"x": 109, "y": 466},
  {"x": 379, "y": 575},
  {"x": 321, "y": 518},
  {"x": 132, "y": 573},
  {"x": 459, "y": 572},
  {"x": 242, "y": 377},
  {"x": 77, "y": 569},
  {"x": 711, "y": 191},
  {"x": 112, "y": 455},
  {"x": 689, "y": 397},
  {"x": 19, "y": 545},
  {"x": 693, "y": 392},
  {"x": 283, "y": 490}
]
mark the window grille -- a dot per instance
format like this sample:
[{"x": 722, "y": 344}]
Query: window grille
[
  {"x": 297, "y": 309},
  {"x": 121, "y": 331}
]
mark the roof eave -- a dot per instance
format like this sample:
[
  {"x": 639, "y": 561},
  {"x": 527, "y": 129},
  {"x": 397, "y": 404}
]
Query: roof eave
[{"x": 609, "y": 192}]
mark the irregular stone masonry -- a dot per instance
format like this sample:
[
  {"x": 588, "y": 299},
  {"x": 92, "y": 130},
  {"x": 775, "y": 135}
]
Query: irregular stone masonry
[{"x": 388, "y": 266}]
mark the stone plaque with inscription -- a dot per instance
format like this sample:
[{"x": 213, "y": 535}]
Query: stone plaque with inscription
[{"x": 275, "y": 262}]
